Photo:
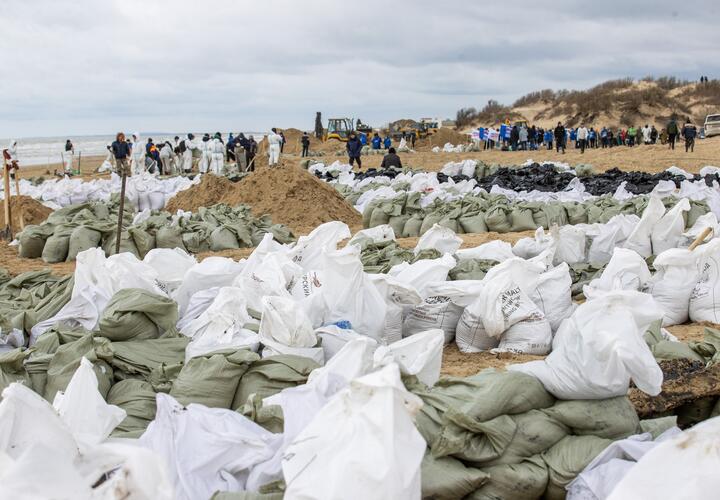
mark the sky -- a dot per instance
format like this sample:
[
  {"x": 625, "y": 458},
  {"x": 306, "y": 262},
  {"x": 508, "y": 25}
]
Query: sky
[{"x": 75, "y": 67}]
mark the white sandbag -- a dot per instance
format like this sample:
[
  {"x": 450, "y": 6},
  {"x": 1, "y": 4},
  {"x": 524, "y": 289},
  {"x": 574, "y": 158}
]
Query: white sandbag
[
  {"x": 470, "y": 334},
  {"x": 639, "y": 240},
  {"x": 365, "y": 439},
  {"x": 626, "y": 271},
  {"x": 221, "y": 326},
  {"x": 553, "y": 295},
  {"x": 705, "y": 298},
  {"x": 529, "y": 336},
  {"x": 527, "y": 248},
  {"x": 605, "y": 472},
  {"x": 206, "y": 449},
  {"x": 333, "y": 339},
  {"x": 308, "y": 250},
  {"x": 668, "y": 230},
  {"x": 600, "y": 349},
  {"x": 504, "y": 299},
  {"x": 708, "y": 220},
  {"x": 605, "y": 237},
  {"x": 376, "y": 234},
  {"x": 570, "y": 244},
  {"x": 682, "y": 468},
  {"x": 493, "y": 250},
  {"x": 423, "y": 272},
  {"x": 419, "y": 355},
  {"x": 84, "y": 410},
  {"x": 211, "y": 272},
  {"x": 399, "y": 297},
  {"x": 440, "y": 238},
  {"x": 676, "y": 274},
  {"x": 198, "y": 304},
  {"x": 286, "y": 329},
  {"x": 170, "y": 265},
  {"x": 442, "y": 307}
]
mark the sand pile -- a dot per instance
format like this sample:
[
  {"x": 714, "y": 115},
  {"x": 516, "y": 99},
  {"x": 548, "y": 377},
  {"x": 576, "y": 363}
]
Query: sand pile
[
  {"x": 293, "y": 146},
  {"x": 289, "y": 194},
  {"x": 441, "y": 137},
  {"x": 24, "y": 211}
]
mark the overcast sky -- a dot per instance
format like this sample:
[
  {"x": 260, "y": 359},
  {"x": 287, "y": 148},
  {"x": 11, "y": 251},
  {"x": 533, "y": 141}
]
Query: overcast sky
[{"x": 75, "y": 67}]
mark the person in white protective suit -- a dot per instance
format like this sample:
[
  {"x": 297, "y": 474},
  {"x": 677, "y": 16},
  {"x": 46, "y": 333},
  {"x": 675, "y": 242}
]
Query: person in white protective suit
[
  {"x": 68, "y": 156},
  {"x": 205, "y": 154},
  {"x": 274, "y": 141},
  {"x": 186, "y": 149},
  {"x": 167, "y": 158},
  {"x": 217, "y": 154},
  {"x": 137, "y": 163}
]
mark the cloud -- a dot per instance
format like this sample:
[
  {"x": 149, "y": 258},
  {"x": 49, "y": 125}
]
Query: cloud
[{"x": 87, "y": 66}]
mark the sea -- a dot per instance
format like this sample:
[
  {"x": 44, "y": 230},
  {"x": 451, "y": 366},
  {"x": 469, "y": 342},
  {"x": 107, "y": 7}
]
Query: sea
[{"x": 49, "y": 150}]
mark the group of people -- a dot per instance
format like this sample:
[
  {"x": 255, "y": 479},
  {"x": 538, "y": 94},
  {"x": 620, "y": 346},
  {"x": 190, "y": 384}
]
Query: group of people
[
  {"x": 524, "y": 138},
  {"x": 355, "y": 145},
  {"x": 210, "y": 154}
]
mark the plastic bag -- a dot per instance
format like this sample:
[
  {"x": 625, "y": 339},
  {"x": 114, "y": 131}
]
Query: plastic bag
[
  {"x": 669, "y": 229},
  {"x": 673, "y": 283},
  {"x": 308, "y": 251},
  {"x": 626, "y": 271},
  {"x": 419, "y": 355},
  {"x": 365, "y": 439},
  {"x": 439, "y": 238},
  {"x": 600, "y": 349},
  {"x": 423, "y": 272},
  {"x": 639, "y": 240},
  {"x": 211, "y": 272},
  {"x": 285, "y": 325}
]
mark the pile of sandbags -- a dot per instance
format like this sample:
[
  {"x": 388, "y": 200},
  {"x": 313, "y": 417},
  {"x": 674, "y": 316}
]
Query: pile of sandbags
[{"x": 76, "y": 228}]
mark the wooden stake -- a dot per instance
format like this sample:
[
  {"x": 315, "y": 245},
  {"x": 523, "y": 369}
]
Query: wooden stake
[
  {"x": 7, "y": 231},
  {"x": 120, "y": 213},
  {"x": 701, "y": 238}
]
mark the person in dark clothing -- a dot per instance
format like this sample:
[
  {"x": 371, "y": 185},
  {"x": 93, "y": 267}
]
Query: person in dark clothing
[
  {"x": 305, "y": 141},
  {"x": 514, "y": 138},
  {"x": 653, "y": 135},
  {"x": 250, "y": 151},
  {"x": 532, "y": 137},
  {"x": 689, "y": 132},
  {"x": 413, "y": 137},
  {"x": 282, "y": 142},
  {"x": 391, "y": 160},
  {"x": 354, "y": 148},
  {"x": 121, "y": 152},
  {"x": 559, "y": 138},
  {"x": 672, "y": 131}
]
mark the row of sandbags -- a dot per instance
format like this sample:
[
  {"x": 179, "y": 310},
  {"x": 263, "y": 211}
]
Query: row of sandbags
[
  {"x": 495, "y": 213},
  {"x": 73, "y": 229}
]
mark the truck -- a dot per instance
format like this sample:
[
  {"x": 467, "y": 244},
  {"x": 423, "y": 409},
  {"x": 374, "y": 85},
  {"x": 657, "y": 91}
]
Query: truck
[{"x": 712, "y": 125}]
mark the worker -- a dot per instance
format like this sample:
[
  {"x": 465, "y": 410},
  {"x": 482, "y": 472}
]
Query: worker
[
  {"x": 250, "y": 152},
  {"x": 12, "y": 158},
  {"x": 167, "y": 158},
  {"x": 387, "y": 142},
  {"x": 391, "y": 160},
  {"x": 354, "y": 148},
  {"x": 559, "y": 138},
  {"x": 363, "y": 138},
  {"x": 275, "y": 147},
  {"x": 282, "y": 142},
  {"x": 205, "y": 154},
  {"x": 138, "y": 154},
  {"x": 647, "y": 134},
  {"x": 672, "y": 132},
  {"x": 68, "y": 156},
  {"x": 376, "y": 141},
  {"x": 186, "y": 150},
  {"x": 582, "y": 136},
  {"x": 230, "y": 148},
  {"x": 689, "y": 132},
  {"x": 413, "y": 138},
  {"x": 122, "y": 152},
  {"x": 631, "y": 135},
  {"x": 305, "y": 141},
  {"x": 217, "y": 154},
  {"x": 239, "y": 150}
]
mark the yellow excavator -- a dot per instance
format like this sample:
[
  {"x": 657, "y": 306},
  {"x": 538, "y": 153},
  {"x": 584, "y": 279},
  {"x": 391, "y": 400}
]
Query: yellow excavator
[{"x": 340, "y": 128}]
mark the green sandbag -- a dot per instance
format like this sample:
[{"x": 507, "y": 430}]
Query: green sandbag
[
  {"x": 471, "y": 269},
  {"x": 397, "y": 223},
  {"x": 368, "y": 211},
  {"x": 32, "y": 241},
  {"x": 429, "y": 221},
  {"x": 56, "y": 249},
  {"x": 576, "y": 213},
  {"x": 144, "y": 241},
  {"x": 81, "y": 239},
  {"x": 163, "y": 376},
  {"x": 613, "y": 418},
  {"x": 566, "y": 459},
  {"x": 412, "y": 227},
  {"x": 448, "y": 479},
  {"x": 196, "y": 241},
  {"x": 169, "y": 237},
  {"x": 472, "y": 224},
  {"x": 524, "y": 481},
  {"x": 137, "y": 398},
  {"x": 521, "y": 219},
  {"x": 378, "y": 217},
  {"x": 126, "y": 244},
  {"x": 138, "y": 314},
  {"x": 449, "y": 223},
  {"x": 67, "y": 360},
  {"x": 223, "y": 238},
  {"x": 536, "y": 432},
  {"x": 212, "y": 380},
  {"x": 269, "y": 417},
  {"x": 656, "y": 426},
  {"x": 138, "y": 358},
  {"x": 12, "y": 369},
  {"x": 497, "y": 220},
  {"x": 271, "y": 375},
  {"x": 282, "y": 234}
]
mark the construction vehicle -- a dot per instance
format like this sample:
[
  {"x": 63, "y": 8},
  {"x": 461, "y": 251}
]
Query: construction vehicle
[
  {"x": 340, "y": 128},
  {"x": 429, "y": 125}
]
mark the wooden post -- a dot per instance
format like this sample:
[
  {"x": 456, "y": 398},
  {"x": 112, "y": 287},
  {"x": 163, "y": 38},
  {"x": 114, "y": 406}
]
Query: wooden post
[
  {"x": 79, "y": 162},
  {"x": 7, "y": 231},
  {"x": 701, "y": 238},
  {"x": 120, "y": 213}
]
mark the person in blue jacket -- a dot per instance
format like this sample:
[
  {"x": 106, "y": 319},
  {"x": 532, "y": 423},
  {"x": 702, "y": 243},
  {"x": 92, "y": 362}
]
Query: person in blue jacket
[
  {"x": 387, "y": 142},
  {"x": 376, "y": 141},
  {"x": 363, "y": 138},
  {"x": 354, "y": 148},
  {"x": 573, "y": 137},
  {"x": 549, "y": 139}
]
